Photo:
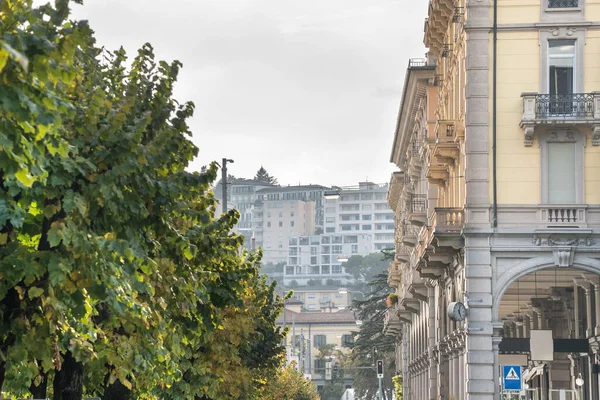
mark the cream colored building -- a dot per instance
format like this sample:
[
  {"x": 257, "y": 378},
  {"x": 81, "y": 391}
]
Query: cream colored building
[
  {"x": 497, "y": 202},
  {"x": 276, "y": 221},
  {"x": 315, "y": 329}
]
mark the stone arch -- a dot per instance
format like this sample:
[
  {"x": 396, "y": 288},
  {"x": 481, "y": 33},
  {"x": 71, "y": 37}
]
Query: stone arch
[{"x": 531, "y": 265}]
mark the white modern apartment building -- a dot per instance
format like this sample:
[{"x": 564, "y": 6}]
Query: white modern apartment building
[
  {"x": 318, "y": 258},
  {"x": 362, "y": 209},
  {"x": 276, "y": 221}
]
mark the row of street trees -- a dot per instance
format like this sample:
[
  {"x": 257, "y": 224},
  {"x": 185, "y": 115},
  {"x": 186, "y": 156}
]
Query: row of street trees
[{"x": 115, "y": 278}]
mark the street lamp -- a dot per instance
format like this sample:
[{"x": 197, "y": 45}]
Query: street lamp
[{"x": 224, "y": 181}]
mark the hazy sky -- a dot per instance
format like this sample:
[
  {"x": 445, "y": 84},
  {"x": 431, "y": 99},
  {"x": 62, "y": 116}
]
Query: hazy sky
[{"x": 310, "y": 89}]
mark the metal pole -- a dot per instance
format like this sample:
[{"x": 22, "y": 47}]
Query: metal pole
[
  {"x": 224, "y": 184},
  {"x": 380, "y": 390}
]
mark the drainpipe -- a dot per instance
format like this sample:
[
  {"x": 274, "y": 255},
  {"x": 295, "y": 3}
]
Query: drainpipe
[{"x": 494, "y": 122}]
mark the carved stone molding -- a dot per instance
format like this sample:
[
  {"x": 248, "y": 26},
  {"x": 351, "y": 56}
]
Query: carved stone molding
[
  {"x": 556, "y": 241},
  {"x": 563, "y": 256}
]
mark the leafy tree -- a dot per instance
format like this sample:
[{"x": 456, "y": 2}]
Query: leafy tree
[
  {"x": 263, "y": 176},
  {"x": 289, "y": 384},
  {"x": 366, "y": 267},
  {"x": 371, "y": 344},
  {"x": 115, "y": 279}
]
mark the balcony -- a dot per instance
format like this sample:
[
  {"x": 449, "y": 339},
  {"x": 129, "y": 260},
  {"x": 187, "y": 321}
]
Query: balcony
[
  {"x": 449, "y": 220},
  {"x": 394, "y": 274},
  {"x": 391, "y": 323},
  {"x": 418, "y": 210},
  {"x": 403, "y": 253},
  {"x": 563, "y": 215},
  {"x": 560, "y": 109},
  {"x": 410, "y": 234}
]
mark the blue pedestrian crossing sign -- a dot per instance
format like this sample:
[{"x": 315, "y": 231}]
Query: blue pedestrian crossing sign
[{"x": 511, "y": 377}]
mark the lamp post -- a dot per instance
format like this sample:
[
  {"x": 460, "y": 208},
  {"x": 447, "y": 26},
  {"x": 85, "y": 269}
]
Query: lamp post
[{"x": 224, "y": 181}]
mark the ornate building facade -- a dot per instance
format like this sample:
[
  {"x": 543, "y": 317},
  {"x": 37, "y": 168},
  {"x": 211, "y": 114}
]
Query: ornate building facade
[{"x": 497, "y": 203}]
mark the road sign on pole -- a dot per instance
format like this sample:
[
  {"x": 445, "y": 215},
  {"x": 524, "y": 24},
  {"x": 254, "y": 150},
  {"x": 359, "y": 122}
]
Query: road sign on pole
[{"x": 512, "y": 377}]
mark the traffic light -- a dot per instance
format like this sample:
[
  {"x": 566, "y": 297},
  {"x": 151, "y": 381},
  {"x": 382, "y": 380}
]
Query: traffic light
[
  {"x": 380, "y": 368},
  {"x": 335, "y": 371}
]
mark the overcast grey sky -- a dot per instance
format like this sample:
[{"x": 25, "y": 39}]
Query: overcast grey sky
[{"x": 308, "y": 88}]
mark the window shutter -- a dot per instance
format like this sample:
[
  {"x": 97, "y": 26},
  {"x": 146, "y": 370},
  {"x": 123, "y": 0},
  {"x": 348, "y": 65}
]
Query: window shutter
[{"x": 561, "y": 173}]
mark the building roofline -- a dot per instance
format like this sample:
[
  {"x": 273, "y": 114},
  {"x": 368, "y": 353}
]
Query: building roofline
[{"x": 413, "y": 66}]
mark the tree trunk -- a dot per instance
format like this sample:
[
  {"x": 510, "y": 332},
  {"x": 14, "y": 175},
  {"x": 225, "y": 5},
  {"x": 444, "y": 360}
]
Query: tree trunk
[
  {"x": 68, "y": 382},
  {"x": 39, "y": 391},
  {"x": 116, "y": 391}
]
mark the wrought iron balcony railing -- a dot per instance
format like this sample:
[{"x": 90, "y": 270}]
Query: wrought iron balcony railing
[
  {"x": 563, "y": 3},
  {"x": 418, "y": 203},
  {"x": 564, "y": 109},
  {"x": 564, "y": 105}
]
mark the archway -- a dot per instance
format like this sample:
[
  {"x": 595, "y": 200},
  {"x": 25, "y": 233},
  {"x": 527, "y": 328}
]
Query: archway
[{"x": 550, "y": 318}]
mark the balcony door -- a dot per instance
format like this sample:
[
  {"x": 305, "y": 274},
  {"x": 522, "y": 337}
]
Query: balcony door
[{"x": 561, "y": 84}]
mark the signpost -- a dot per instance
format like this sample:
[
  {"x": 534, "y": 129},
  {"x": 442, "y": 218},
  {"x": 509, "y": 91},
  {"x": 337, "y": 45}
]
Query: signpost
[{"x": 512, "y": 377}]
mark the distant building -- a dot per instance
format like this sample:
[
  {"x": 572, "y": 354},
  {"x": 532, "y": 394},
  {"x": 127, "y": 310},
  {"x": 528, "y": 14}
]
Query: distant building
[
  {"x": 241, "y": 195},
  {"x": 362, "y": 209},
  {"x": 313, "y": 330},
  {"x": 305, "y": 193},
  {"x": 319, "y": 258},
  {"x": 320, "y": 297},
  {"x": 276, "y": 221}
]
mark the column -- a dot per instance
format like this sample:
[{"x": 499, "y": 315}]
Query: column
[
  {"x": 431, "y": 344},
  {"x": 496, "y": 339},
  {"x": 451, "y": 375},
  {"x": 588, "y": 308},
  {"x": 597, "y": 305},
  {"x": 481, "y": 377},
  {"x": 576, "y": 310},
  {"x": 461, "y": 373}
]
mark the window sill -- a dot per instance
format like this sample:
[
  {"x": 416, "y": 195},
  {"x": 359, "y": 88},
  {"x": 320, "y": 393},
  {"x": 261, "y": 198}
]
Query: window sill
[{"x": 564, "y": 9}]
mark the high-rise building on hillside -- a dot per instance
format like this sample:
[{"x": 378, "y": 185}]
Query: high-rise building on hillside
[{"x": 362, "y": 209}]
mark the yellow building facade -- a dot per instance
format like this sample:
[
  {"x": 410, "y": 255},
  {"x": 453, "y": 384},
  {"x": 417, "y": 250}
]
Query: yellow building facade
[{"x": 497, "y": 203}]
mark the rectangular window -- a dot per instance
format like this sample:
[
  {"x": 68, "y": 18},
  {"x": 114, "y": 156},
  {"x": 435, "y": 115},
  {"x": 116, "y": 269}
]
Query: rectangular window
[
  {"x": 313, "y": 250},
  {"x": 367, "y": 207},
  {"x": 325, "y": 269},
  {"x": 563, "y": 3},
  {"x": 325, "y": 259},
  {"x": 561, "y": 63},
  {"x": 319, "y": 366},
  {"x": 561, "y": 173},
  {"x": 319, "y": 340},
  {"x": 325, "y": 249},
  {"x": 367, "y": 217},
  {"x": 347, "y": 340},
  {"x": 313, "y": 261},
  {"x": 366, "y": 227},
  {"x": 291, "y": 223},
  {"x": 280, "y": 223},
  {"x": 330, "y": 220},
  {"x": 315, "y": 270},
  {"x": 311, "y": 296},
  {"x": 336, "y": 269},
  {"x": 291, "y": 214},
  {"x": 354, "y": 248},
  {"x": 289, "y": 270},
  {"x": 330, "y": 229},
  {"x": 336, "y": 249}
]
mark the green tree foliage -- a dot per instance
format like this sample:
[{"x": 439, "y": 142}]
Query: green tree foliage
[
  {"x": 263, "y": 176},
  {"x": 115, "y": 279},
  {"x": 289, "y": 384},
  {"x": 365, "y": 268},
  {"x": 370, "y": 344}
]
